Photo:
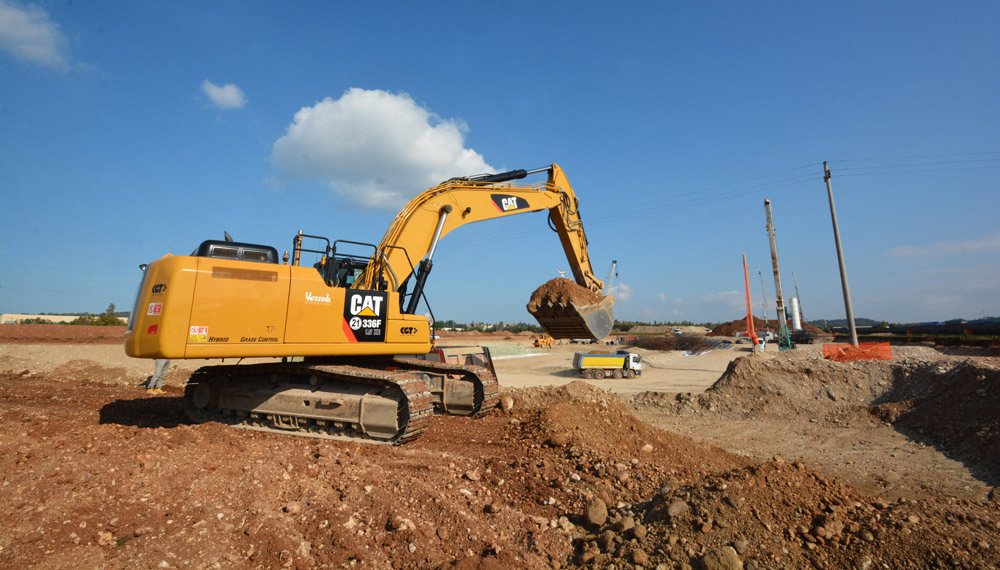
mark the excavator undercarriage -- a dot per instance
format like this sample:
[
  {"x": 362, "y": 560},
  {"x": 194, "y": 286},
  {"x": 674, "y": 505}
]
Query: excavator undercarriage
[{"x": 375, "y": 400}]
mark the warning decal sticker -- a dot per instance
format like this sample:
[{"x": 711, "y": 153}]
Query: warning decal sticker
[{"x": 198, "y": 334}]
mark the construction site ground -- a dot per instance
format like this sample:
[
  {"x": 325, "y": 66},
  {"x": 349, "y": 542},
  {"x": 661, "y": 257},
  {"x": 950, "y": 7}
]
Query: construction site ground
[{"x": 717, "y": 460}]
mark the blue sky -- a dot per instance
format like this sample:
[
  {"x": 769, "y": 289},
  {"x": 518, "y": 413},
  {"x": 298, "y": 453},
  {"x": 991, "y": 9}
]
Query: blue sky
[{"x": 133, "y": 129}]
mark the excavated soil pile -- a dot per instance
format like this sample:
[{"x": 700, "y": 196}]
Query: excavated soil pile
[
  {"x": 950, "y": 404},
  {"x": 686, "y": 342},
  {"x": 94, "y": 473},
  {"x": 732, "y": 328},
  {"x": 562, "y": 291},
  {"x": 61, "y": 334}
]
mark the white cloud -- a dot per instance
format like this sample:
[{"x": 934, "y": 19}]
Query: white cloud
[
  {"x": 27, "y": 34},
  {"x": 274, "y": 183},
  {"x": 987, "y": 243},
  {"x": 621, "y": 291},
  {"x": 375, "y": 148},
  {"x": 228, "y": 96}
]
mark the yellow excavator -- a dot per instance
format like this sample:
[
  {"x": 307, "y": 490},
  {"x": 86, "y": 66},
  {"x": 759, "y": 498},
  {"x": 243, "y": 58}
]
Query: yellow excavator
[{"x": 356, "y": 360}]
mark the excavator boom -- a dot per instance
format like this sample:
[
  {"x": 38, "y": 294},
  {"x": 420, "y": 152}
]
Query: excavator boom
[{"x": 416, "y": 230}]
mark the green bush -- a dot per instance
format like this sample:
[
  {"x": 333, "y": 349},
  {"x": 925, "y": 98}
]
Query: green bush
[{"x": 106, "y": 319}]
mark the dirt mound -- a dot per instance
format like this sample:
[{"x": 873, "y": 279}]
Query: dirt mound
[
  {"x": 782, "y": 388},
  {"x": 738, "y": 326},
  {"x": 553, "y": 415},
  {"x": 951, "y": 404},
  {"x": 562, "y": 291},
  {"x": 947, "y": 403},
  {"x": 97, "y": 474},
  {"x": 682, "y": 342},
  {"x": 769, "y": 514},
  {"x": 61, "y": 334}
]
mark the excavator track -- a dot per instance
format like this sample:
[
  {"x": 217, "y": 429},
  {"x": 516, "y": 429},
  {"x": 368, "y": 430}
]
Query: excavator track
[
  {"x": 340, "y": 402},
  {"x": 486, "y": 389}
]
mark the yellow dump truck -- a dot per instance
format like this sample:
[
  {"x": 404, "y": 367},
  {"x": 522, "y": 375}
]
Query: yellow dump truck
[{"x": 621, "y": 364}]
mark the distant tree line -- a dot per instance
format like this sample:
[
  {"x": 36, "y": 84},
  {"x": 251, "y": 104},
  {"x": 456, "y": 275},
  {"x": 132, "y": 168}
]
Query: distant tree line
[
  {"x": 449, "y": 324},
  {"x": 109, "y": 318},
  {"x": 828, "y": 324},
  {"x": 626, "y": 325}
]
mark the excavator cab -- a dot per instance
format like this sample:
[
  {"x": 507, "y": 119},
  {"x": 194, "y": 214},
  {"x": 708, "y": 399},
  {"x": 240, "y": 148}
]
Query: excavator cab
[
  {"x": 338, "y": 269},
  {"x": 347, "y": 271},
  {"x": 236, "y": 250}
]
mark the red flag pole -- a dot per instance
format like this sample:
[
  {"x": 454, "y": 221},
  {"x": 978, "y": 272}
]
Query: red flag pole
[{"x": 751, "y": 334}]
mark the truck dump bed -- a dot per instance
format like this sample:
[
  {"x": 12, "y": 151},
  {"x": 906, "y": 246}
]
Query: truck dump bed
[{"x": 582, "y": 360}]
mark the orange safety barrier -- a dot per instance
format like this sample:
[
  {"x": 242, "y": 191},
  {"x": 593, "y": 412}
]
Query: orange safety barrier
[{"x": 864, "y": 351}]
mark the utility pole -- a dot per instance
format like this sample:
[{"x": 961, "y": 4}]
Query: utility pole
[
  {"x": 783, "y": 338},
  {"x": 840, "y": 259}
]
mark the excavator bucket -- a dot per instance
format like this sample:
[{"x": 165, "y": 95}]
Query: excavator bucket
[
  {"x": 567, "y": 310},
  {"x": 577, "y": 321}
]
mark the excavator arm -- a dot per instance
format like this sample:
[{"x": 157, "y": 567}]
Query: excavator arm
[{"x": 408, "y": 247}]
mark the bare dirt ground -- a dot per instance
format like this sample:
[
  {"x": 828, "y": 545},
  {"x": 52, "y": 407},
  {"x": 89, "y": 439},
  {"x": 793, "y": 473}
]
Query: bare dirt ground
[
  {"x": 787, "y": 461},
  {"x": 662, "y": 371}
]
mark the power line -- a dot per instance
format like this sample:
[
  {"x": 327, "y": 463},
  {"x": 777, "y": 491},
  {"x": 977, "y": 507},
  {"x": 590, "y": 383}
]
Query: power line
[
  {"x": 920, "y": 171},
  {"x": 708, "y": 195},
  {"x": 914, "y": 156},
  {"x": 755, "y": 189},
  {"x": 924, "y": 164},
  {"x": 725, "y": 185},
  {"x": 695, "y": 198}
]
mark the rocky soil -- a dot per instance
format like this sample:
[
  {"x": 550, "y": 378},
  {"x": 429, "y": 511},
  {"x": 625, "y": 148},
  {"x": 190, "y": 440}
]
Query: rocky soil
[
  {"x": 96, "y": 474},
  {"x": 562, "y": 291}
]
